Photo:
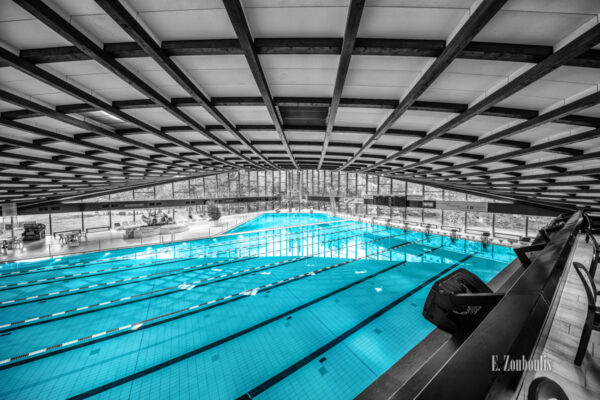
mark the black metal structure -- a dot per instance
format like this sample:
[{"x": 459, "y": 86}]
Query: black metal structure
[
  {"x": 91, "y": 135},
  {"x": 509, "y": 328}
]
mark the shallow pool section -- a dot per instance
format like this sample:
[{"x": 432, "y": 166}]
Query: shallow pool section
[
  {"x": 311, "y": 312},
  {"x": 272, "y": 220}
]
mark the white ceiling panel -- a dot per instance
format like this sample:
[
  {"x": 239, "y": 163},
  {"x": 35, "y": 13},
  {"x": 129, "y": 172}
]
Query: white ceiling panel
[
  {"x": 531, "y": 27},
  {"x": 195, "y": 23},
  {"x": 290, "y": 19},
  {"x": 246, "y": 115},
  {"x": 409, "y": 22},
  {"x": 361, "y": 117},
  {"x": 421, "y": 120}
]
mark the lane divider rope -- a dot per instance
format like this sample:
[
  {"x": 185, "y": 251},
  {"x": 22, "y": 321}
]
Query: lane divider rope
[
  {"x": 139, "y": 324},
  {"x": 102, "y": 285},
  {"x": 122, "y": 267},
  {"x": 199, "y": 245},
  {"x": 185, "y": 286}
]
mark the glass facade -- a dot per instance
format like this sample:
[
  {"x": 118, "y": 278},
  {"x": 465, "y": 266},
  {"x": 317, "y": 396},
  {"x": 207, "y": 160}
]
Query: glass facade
[{"x": 294, "y": 187}]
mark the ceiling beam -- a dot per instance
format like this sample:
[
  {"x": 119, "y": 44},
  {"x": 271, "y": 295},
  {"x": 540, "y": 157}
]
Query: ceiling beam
[
  {"x": 550, "y": 116},
  {"x": 17, "y": 100},
  {"x": 66, "y": 87},
  {"x": 55, "y": 22},
  {"x": 386, "y": 104},
  {"x": 519, "y": 178},
  {"x": 567, "y": 52},
  {"x": 14, "y": 99},
  {"x": 240, "y": 25},
  {"x": 99, "y": 161},
  {"x": 478, "y": 18},
  {"x": 510, "y": 52},
  {"x": 117, "y": 11},
  {"x": 552, "y": 164},
  {"x": 544, "y": 146},
  {"x": 53, "y": 137},
  {"x": 355, "y": 11}
]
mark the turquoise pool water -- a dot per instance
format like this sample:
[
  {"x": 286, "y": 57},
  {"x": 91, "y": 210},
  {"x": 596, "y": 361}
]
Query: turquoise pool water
[
  {"x": 313, "y": 312},
  {"x": 270, "y": 220}
]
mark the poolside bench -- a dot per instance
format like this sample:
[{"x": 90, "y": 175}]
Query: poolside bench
[{"x": 97, "y": 229}]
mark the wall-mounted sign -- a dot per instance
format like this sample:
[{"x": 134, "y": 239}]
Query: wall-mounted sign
[
  {"x": 428, "y": 203},
  {"x": 462, "y": 206}
]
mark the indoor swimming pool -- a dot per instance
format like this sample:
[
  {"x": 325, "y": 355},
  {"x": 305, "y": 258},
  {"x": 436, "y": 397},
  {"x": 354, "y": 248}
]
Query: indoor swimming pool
[{"x": 316, "y": 311}]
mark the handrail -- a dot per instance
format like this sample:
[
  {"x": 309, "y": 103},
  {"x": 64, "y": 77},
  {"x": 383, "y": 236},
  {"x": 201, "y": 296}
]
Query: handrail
[{"x": 511, "y": 328}]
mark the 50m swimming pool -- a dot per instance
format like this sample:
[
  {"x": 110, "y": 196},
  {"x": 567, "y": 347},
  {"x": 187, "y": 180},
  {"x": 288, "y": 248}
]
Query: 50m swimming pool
[{"x": 318, "y": 311}]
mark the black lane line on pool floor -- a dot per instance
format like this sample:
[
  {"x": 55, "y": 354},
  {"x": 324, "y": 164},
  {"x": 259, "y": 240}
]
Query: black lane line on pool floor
[
  {"x": 129, "y": 267},
  {"x": 147, "y": 277},
  {"x": 317, "y": 353},
  {"x": 33, "y": 321},
  {"x": 174, "y": 315},
  {"x": 98, "y": 307},
  {"x": 195, "y": 246},
  {"x": 226, "y": 339}
]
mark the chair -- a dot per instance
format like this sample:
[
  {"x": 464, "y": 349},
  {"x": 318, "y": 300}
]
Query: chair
[
  {"x": 544, "y": 388},
  {"x": 592, "y": 319}
]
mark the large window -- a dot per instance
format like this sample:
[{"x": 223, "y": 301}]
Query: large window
[
  {"x": 414, "y": 190},
  {"x": 509, "y": 224},
  {"x": 123, "y": 196},
  {"x": 432, "y": 216},
  {"x": 96, "y": 219},
  {"x": 66, "y": 221},
  {"x": 454, "y": 196},
  {"x": 454, "y": 219},
  {"x": 308, "y": 182},
  {"x": 164, "y": 192},
  {"x": 351, "y": 185},
  {"x": 479, "y": 221},
  {"x": 414, "y": 214},
  {"x": 181, "y": 189},
  {"x": 144, "y": 194},
  {"x": 361, "y": 183}
]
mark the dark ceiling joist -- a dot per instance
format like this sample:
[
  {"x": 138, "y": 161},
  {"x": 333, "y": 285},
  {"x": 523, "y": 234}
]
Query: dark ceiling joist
[
  {"x": 13, "y": 99},
  {"x": 576, "y": 120},
  {"x": 105, "y": 163},
  {"x": 545, "y": 146},
  {"x": 552, "y": 164},
  {"x": 550, "y": 116},
  {"x": 477, "y": 20},
  {"x": 53, "y": 137},
  {"x": 74, "y": 91},
  {"x": 352, "y": 22},
  {"x": 520, "y": 178},
  {"x": 104, "y": 168},
  {"x": 55, "y": 22},
  {"x": 125, "y": 20},
  {"x": 572, "y": 49},
  {"x": 240, "y": 25},
  {"x": 317, "y": 46}
]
